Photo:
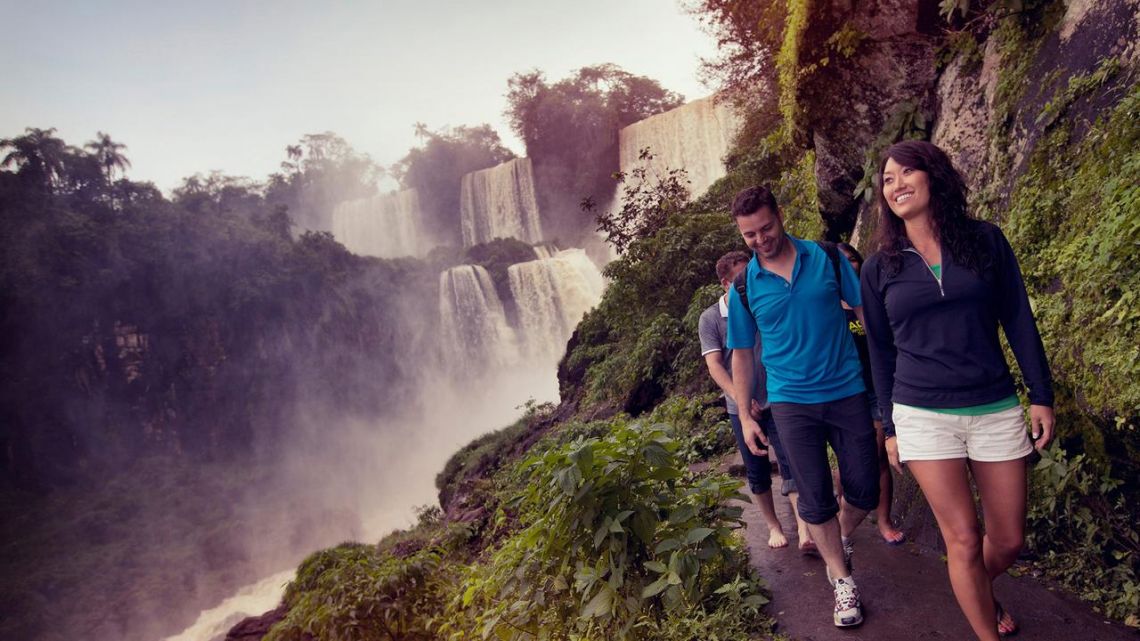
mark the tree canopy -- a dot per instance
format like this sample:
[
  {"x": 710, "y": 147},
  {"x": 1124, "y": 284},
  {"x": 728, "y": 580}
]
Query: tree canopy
[
  {"x": 436, "y": 168},
  {"x": 570, "y": 128},
  {"x": 319, "y": 172}
]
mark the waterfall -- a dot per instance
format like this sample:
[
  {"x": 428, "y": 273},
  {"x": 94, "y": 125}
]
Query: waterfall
[
  {"x": 501, "y": 368},
  {"x": 695, "y": 137},
  {"x": 500, "y": 202},
  {"x": 386, "y": 226},
  {"x": 473, "y": 320},
  {"x": 251, "y": 600},
  {"x": 544, "y": 251},
  {"x": 551, "y": 295}
]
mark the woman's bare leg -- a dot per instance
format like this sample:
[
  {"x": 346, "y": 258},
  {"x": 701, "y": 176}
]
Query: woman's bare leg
[
  {"x": 946, "y": 485},
  {"x": 1002, "y": 488}
]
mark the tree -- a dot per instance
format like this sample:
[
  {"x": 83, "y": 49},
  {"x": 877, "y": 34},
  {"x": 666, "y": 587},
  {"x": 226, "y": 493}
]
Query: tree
[
  {"x": 650, "y": 197},
  {"x": 748, "y": 35},
  {"x": 319, "y": 172},
  {"x": 436, "y": 168},
  {"x": 571, "y": 133},
  {"x": 38, "y": 156},
  {"x": 109, "y": 155}
]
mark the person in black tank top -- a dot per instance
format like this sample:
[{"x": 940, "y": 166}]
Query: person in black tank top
[{"x": 891, "y": 535}]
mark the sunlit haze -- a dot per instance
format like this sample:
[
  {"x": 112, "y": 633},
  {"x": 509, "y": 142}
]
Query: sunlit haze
[{"x": 196, "y": 87}]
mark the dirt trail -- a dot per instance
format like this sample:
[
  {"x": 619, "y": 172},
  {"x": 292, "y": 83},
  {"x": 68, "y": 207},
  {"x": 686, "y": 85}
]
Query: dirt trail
[{"x": 906, "y": 594}]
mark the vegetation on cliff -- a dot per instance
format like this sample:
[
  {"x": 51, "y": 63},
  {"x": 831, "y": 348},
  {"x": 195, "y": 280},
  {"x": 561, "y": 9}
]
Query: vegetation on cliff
[
  {"x": 150, "y": 335},
  {"x": 600, "y": 532}
]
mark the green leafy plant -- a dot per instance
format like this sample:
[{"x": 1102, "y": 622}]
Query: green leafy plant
[
  {"x": 906, "y": 122},
  {"x": 650, "y": 195},
  {"x": 1093, "y": 549},
  {"x": 700, "y": 425},
  {"x": 353, "y": 593},
  {"x": 616, "y": 535}
]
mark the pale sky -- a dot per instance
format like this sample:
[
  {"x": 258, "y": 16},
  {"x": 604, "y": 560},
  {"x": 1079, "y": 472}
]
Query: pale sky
[{"x": 225, "y": 85}]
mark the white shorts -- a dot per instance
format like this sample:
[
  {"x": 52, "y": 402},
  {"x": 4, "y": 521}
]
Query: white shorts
[{"x": 924, "y": 435}]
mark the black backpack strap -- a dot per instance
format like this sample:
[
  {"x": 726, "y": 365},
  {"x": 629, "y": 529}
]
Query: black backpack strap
[
  {"x": 832, "y": 251},
  {"x": 740, "y": 284}
]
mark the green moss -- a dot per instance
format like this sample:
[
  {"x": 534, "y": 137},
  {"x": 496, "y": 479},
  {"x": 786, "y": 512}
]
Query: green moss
[
  {"x": 798, "y": 194},
  {"x": 960, "y": 46},
  {"x": 787, "y": 60},
  {"x": 1079, "y": 85},
  {"x": 845, "y": 41},
  {"x": 1074, "y": 218}
]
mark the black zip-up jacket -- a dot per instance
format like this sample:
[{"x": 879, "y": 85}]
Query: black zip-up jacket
[{"x": 935, "y": 344}]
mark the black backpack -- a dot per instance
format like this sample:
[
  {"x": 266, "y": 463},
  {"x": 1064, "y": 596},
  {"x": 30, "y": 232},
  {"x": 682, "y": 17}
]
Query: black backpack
[{"x": 832, "y": 251}]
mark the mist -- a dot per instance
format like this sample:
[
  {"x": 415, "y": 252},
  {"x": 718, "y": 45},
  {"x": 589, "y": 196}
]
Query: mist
[{"x": 378, "y": 471}]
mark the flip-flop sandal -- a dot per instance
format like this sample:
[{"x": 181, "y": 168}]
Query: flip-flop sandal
[
  {"x": 808, "y": 548},
  {"x": 898, "y": 541},
  {"x": 1004, "y": 618}
]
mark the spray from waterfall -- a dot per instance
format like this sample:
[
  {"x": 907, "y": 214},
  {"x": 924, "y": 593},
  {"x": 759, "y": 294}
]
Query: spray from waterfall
[{"x": 386, "y": 226}]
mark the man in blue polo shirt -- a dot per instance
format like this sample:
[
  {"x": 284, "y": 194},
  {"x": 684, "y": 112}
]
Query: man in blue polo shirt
[{"x": 815, "y": 381}]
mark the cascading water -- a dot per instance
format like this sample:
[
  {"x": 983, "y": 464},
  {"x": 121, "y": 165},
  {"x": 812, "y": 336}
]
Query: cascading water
[
  {"x": 251, "y": 600},
  {"x": 544, "y": 251},
  {"x": 551, "y": 295},
  {"x": 473, "y": 320},
  {"x": 511, "y": 365},
  {"x": 500, "y": 202},
  {"x": 695, "y": 137},
  {"x": 386, "y": 226}
]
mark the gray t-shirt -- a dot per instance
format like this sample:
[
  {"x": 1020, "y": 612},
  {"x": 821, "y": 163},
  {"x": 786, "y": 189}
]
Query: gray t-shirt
[{"x": 713, "y": 330}]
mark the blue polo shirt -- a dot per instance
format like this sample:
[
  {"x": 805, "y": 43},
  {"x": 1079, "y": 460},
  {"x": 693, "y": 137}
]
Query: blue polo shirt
[{"x": 808, "y": 350}]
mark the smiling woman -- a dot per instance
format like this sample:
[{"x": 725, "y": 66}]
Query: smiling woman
[{"x": 933, "y": 300}]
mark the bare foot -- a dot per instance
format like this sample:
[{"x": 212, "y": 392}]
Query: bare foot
[
  {"x": 808, "y": 547},
  {"x": 776, "y": 539},
  {"x": 891, "y": 535}
]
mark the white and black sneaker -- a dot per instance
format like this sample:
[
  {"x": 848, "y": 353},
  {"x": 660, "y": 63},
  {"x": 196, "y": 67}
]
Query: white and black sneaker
[
  {"x": 848, "y": 552},
  {"x": 848, "y": 609}
]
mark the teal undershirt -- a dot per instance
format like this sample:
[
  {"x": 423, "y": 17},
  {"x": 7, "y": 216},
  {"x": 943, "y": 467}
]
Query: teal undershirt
[
  {"x": 978, "y": 410},
  {"x": 974, "y": 410}
]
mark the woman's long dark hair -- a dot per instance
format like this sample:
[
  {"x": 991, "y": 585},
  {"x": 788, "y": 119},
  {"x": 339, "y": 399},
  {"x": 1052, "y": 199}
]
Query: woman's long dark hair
[{"x": 953, "y": 226}]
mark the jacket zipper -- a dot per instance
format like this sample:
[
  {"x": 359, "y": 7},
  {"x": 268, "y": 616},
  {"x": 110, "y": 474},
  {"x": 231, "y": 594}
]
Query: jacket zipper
[{"x": 937, "y": 279}]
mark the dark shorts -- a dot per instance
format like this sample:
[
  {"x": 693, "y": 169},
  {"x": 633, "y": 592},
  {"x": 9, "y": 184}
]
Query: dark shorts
[
  {"x": 805, "y": 432},
  {"x": 757, "y": 469}
]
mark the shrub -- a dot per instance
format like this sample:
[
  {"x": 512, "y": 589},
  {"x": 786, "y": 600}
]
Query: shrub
[{"x": 618, "y": 542}]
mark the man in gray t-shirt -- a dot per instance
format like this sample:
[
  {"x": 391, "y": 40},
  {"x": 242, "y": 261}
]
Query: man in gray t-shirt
[{"x": 713, "y": 331}]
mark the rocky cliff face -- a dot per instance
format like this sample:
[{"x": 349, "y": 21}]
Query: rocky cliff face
[
  {"x": 860, "y": 63},
  {"x": 980, "y": 95}
]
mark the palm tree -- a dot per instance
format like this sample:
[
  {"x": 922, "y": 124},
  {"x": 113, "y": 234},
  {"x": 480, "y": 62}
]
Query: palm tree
[
  {"x": 38, "y": 154},
  {"x": 108, "y": 153}
]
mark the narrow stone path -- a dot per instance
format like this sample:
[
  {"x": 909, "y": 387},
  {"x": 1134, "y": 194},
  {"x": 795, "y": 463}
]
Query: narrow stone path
[{"x": 906, "y": 594}]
